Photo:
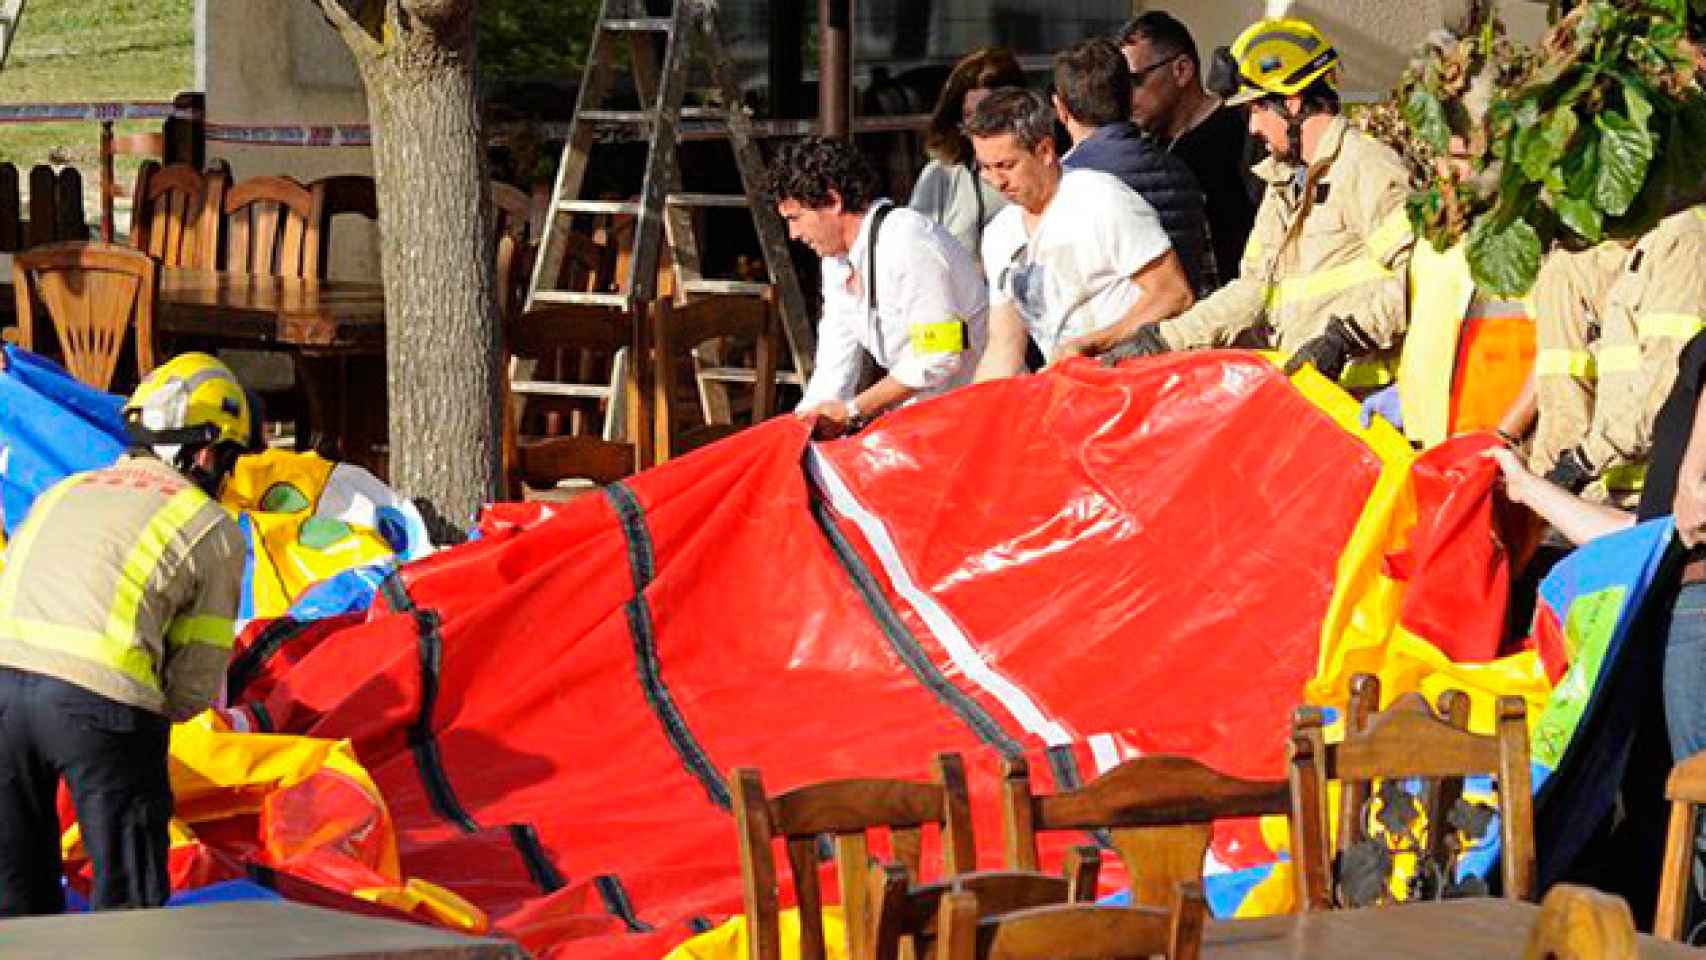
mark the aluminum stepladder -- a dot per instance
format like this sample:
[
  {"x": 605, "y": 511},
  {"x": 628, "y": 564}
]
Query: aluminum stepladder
[{"x": 661, "y": 215}]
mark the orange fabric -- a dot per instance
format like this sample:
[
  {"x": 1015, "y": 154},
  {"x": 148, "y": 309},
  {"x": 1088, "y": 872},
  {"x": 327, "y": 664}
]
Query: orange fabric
[{"x": 1493, "y": 360}]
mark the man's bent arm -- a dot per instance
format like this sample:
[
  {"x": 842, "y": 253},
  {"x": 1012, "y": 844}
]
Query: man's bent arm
[{"x": 1004, "y": 355}]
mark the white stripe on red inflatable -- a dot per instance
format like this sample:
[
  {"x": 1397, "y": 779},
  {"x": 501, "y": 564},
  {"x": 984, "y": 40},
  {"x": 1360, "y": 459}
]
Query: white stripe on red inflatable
[{"x": 943, "y": 626}]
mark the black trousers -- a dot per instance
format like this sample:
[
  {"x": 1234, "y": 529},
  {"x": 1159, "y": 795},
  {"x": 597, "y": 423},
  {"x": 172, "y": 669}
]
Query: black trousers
[{"x": 113, "y": 758}]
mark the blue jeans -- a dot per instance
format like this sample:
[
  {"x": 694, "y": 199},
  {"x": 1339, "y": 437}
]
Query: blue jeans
[{"x": 1685, "y": 673}]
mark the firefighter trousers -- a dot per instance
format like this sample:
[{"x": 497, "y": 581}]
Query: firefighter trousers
[{"x": 113, "y": 758}]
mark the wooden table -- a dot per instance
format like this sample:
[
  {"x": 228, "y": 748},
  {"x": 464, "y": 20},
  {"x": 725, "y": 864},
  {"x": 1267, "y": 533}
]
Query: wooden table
[
  {"x": 249, "y": 929},
  {"x": 1483, "y": 928},
  {"x": 327, "y": 316},
  {"x": 334, "y": 328}
]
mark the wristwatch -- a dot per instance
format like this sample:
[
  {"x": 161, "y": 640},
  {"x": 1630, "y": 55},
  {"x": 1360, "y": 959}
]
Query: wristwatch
[{"x": 855, "y": 416}]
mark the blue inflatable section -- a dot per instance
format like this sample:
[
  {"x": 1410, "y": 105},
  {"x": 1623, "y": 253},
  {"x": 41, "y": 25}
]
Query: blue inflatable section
[{"x": 51, "y": 426}]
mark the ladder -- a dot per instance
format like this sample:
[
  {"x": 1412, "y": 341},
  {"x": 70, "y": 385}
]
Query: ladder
[
  {"x": 11, "y": 11},
  {"x": 662, "y": 214}
]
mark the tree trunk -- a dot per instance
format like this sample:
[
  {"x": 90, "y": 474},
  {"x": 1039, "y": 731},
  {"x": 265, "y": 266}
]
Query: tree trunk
[{"x": 442, "y": 336}]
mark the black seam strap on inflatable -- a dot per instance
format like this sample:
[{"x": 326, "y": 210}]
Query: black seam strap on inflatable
[
  {"x": 421, "y": 742},
  {"x": 263, "y": 719},
  {"x": 245, "y": 665},
  {"x": 615, "y": 897},
  {"x": 641, "y": 563},
  {"x": 539, "y": 866},
  {"x": 396, "y": 592},
  {"x": 905, "y": 645}
]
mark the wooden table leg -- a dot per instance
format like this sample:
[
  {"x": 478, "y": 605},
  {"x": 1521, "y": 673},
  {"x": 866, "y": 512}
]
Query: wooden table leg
[
  {"x": 641, "y": 369},
  {"x": 323, "y": 405}
]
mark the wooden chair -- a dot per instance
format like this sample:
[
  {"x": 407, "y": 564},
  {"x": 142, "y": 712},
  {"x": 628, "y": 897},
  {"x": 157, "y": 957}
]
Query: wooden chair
[
  {"x": 845, "y": 810},
  {"x": 1408, "y": 740},
  {"x": 701, "y": 322},
  {"x": 175, "y": 214},
  {"x": 273, "y": 228},
  {"x": 903, "y": 915},
  {"x": 96, "y": 294},
  {"x": 149, "y": 145},
  {"x": 545, "y": 461},
  {"x": 1686, "y": 790},
  {"x": 1580, "y": 923},
  {"x": 1159, "y": 812},
  {"x": 346, "y": 194},
  {"x": 1073, "y": 931}
]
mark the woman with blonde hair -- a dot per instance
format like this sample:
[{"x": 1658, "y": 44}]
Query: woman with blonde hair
[{"x": 949, "y": 189}]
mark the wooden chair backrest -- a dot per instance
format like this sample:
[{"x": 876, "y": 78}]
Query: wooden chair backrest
[
  {"x": 1159, "y": 812},
  {"x": 904, "y": 915},
  {"x": 678, "y": 328},
  {"x": 351, "y": 194},
  {"x": 1408, "y": 740},
  {"x": 272, "y": 228},
  {"x": 1073, "y": 931},
  {"x": 11, "y": 210},
  {"x": 543, "y": 462},
  {"x": 1686, "y": 790},
  {"x": 95, "y": 294},
  {"x": 1580, "y": 923},
  {"x": 845, "y": 810},
  {"x": 175, "y": 214}
]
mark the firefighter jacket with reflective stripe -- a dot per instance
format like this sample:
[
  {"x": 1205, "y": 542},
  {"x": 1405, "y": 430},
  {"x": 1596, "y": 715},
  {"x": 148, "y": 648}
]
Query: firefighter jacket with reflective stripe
[
  {"x": 125, "y": 581},
  {"x": 1569, "y": 302},
  {"x": 1444, "y": 307},
  {"x": 1657, "y": 304},
  {"x": 1336, "y": 245}
]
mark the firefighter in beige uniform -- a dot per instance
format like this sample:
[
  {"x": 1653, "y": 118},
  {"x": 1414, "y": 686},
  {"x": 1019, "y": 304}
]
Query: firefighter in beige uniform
[
  {"x": 116, "y": 616},
  {"x": 1323, "y": 275},
  {"x": 1569, "y": 301},
  {"x": 1655, "y": 306}
]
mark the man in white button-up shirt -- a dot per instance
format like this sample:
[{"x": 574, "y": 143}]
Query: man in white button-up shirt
[{"x": 920, "y": 312}]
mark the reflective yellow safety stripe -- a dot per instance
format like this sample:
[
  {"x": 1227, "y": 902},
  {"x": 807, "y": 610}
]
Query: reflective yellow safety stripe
[
  {"x": 213, "y": 631},
  {"x": 1680, "y": 326},
  {"x": 1565, "y": 363},
  {"x": 933, "y": 339},
  {"x": 1367, "y": 374},
  {"x": 1393, "y": 232},
  {"x": 1324, "y": 283},
  {"x": 145, "y": 556},
  {"x": 1619, "y": 360},
  {"x": 27, "y": 538},
  {"x": 1632, "y": 476},
  {"x": 113, "y": 653}
]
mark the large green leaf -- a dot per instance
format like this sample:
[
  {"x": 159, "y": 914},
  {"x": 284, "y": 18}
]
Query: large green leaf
[
  {"x": 1542, "y": 146},
  {"x": 1580, "y": 215},
  {"x": 1640, "y": 108},
  {"x": 1625, "y": 151},
  {"x": 1504, "y": 261},
  {"x": 1426, "y": 116}
]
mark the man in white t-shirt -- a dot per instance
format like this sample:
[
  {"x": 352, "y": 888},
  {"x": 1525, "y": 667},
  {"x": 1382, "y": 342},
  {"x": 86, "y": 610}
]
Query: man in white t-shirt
[
  {"x": 1078, "y": 261},
  {"x": 896, "y": 286}
]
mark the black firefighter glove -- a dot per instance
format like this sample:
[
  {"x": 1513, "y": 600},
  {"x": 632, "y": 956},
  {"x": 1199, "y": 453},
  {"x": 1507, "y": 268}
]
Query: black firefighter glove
[
  {"x": 1337, "y": 345},
  {"x": 1571, "y": 471},
  {"x": 1146, "y": 342}
]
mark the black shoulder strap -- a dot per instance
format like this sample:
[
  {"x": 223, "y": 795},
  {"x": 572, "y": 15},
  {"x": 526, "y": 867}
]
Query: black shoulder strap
[{"x": 877, "y": 217}]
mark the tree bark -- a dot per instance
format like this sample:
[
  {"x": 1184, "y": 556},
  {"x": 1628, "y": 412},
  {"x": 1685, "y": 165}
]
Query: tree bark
[{"x": 418, "y": 65}]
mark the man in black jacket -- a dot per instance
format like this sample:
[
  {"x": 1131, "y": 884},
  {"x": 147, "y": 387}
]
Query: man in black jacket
[
  {"x": 1169, "y": 103},
  {"x": 1092, "y": 98}
]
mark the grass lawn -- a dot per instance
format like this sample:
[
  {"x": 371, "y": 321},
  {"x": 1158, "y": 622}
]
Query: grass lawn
[{"x": 69, "y": 50}]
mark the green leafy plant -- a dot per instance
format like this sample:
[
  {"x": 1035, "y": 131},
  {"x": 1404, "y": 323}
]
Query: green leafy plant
[{"x": 1596, "y": 135}]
